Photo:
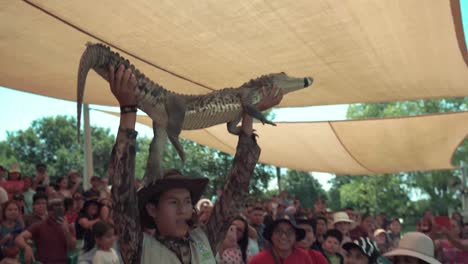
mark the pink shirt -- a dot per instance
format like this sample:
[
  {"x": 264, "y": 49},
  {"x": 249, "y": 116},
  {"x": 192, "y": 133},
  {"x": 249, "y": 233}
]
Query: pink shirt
[{"x": 13, "y": 187}]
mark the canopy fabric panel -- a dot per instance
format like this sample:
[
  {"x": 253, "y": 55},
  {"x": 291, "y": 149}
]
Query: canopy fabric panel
[
  {"x": 356, "y": 147},
  {"x": 357, "y": 51}
]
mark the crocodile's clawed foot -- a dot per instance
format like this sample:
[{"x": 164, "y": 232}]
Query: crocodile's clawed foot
[{"x": 269, "y": 123}]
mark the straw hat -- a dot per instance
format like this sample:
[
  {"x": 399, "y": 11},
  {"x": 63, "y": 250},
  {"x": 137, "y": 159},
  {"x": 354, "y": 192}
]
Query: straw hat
[
  {"x": 341, "y": 217},
  {"x": 379, "y": 231},
  {"x": 417, "y": 245}
]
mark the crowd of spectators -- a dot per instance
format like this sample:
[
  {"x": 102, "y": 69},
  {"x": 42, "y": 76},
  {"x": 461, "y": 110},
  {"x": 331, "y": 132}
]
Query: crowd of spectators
[{"x": 44, "y": 220}]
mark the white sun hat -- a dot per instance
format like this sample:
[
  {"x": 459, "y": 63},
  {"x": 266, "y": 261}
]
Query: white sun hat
[
  {"x": 417, "y": 245},
  {"x": 341, "y": 217}
]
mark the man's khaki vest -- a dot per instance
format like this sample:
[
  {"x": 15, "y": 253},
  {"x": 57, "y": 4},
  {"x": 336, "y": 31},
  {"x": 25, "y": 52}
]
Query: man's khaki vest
[{"x": 155, "y": 252}]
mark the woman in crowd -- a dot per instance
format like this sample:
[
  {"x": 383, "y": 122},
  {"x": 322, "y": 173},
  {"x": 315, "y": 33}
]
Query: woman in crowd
[
  {"x": 309, "y": 238},
  {"x": 414, "y": 248},
  {"x": 234, "y": 249},
  {"x": 452, "y": 248},
  {"x": 283, "y": 235},
  {"x": 13, "y": 185},
  {"x": 11, "y": 225},
  {"x": 62, "y": 188},
  {"x": 87, "y": 217}
]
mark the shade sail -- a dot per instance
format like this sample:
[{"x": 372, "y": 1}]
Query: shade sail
[
  {"x": 357, "y": 51},
  {"x": 355, "y": 147}
]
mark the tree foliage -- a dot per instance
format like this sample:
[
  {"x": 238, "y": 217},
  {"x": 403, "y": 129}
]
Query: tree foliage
[
  {"x": 304, "y": 186},
  {"x": 53, "y": 141},
  {"x": 439, "y": 186}
]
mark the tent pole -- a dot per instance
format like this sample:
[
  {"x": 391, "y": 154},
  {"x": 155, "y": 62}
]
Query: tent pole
[
  {"x": 88, "y": 151},
  {"x": 464, "y": 188},
  {"x": 278, "y": 177}
]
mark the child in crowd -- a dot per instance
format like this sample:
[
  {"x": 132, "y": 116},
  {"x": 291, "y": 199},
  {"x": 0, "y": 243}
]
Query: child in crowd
[
  {"x": 331, "y": 246},
  {"x": 10, "y": 254},
  {"x": 104, "y": 237}
]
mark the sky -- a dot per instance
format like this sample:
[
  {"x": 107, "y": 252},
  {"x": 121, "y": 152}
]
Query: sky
[{"x": 19, "y": 109}]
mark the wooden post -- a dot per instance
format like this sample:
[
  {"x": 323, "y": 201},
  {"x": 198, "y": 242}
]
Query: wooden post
[{"x": 88, "y": 150}]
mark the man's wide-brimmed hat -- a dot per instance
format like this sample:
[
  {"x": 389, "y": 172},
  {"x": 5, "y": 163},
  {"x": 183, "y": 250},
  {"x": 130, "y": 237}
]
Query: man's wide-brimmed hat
[
  {"x": 300, "y": 233},
  {"x": 417, "y": 245},
  {"x": 172, "y": 179}
]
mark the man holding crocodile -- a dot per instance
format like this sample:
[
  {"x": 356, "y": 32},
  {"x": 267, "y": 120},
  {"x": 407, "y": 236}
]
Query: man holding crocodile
[{"x": 165, "y": 203}]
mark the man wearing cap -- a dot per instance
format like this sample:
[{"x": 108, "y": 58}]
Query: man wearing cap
[
  {"x": 283, "y": 234},
  {"x": 166, "y": 205}
]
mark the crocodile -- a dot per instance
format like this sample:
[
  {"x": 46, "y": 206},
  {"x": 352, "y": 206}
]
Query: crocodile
[{"x": 172, "y": 112}]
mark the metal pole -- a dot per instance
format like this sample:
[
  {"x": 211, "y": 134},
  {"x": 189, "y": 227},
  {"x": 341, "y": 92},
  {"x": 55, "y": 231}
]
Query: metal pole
[
  {"x": 88, "y": 150},
  {"x": 278, "y": 177},
  {"x": 464, "y": 189}
]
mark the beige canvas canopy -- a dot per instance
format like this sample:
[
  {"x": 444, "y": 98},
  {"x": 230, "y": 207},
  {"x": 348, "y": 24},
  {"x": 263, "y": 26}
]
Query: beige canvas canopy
[
  {"x": 350, "y": 147},
  {"x": 357, "y": 51}
]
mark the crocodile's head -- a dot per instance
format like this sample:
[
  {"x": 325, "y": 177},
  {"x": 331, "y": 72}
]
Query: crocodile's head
[{"x": 286, "y": 83}]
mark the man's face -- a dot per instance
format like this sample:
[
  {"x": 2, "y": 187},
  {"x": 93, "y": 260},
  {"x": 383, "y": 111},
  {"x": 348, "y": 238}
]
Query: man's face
[
  {"x": 321, "y": 227},
  {"x": 283, "y": 237},
  {"x": 355, "y": 256},
  {"x": 331, "y": 245},
  {"x": 256, "y": 217},
  {"x": 95, "y": 183},
  {"x": 172, "y": 212},
  {"x": 309, "y": 238},
  {"x": 343, "y": 227},
  {"x": 395, "y": 227},
  {"x": 40, "y": 207}
]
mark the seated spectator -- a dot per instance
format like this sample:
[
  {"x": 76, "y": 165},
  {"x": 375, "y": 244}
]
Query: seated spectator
[
  {"x": 309, "y": 238},
  {"x": 283, "y": 235},
  {"x": 204, "y": 207},
  {"x": 361, "y": 251},
  {"x": 62, "y": 188},
  {"x": 71, "y": 215},
  {"x": 10, "y": 255},
  {"x": 414, "y": 247},
  {"x": 255, "y": 217},
  {"x": 52, "y": 237},
  {"x": 19, "y": 200},
  {"x": 451, "y": 248},
  {"x": 74, "y": 182},
  {"x": 320, "y": 208},
  {"x": 332, "y": 246},
  {"x": 28, "y": 194},
  {"x": 393, "y": 234},
  {"x": 342, "y": 223},
  {"x": 382, "y": 241},
  {"x": 3, "y": 174},
  {"x": 13, "y": 185},
  {"x": 87, "y": 217},
  {"x": 94, "y": 193},
  {"x": 320, "y": 228},
  {"x": 234, "y": 249},
  {"x": 105, "y": 212},
  {"x": 104, "y": 192},
  {"x": 78, "y": 201},
  {"x": 42, "y": 177},
  {"x": 424, "y": 226},
  {"x": 11, "y": 225},
  {"x": 365, "y": 229},
  {"x": 39, "y": 211}
]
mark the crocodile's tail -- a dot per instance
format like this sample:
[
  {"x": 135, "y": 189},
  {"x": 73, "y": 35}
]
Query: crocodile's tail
[{"x": 95, "y": 55}]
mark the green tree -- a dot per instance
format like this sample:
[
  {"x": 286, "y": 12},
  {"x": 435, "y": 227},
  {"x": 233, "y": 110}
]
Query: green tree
[
  {"x": 435, "y": 184},
  {"x": 304, "y": 186},
  {"x": 52, "y": 140}
]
